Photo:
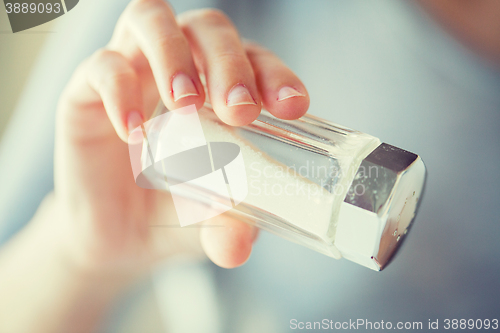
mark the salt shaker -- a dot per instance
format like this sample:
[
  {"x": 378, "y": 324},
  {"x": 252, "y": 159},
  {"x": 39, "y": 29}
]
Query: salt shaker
[{"x": 338, "y": 191}]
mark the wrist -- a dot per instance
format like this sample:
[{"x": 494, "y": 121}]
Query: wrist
[
  {"x": 37, "y": 268},
  {"x": 75, "y": 252}
]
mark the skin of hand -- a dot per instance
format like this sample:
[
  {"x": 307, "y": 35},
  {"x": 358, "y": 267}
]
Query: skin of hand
[
  {"x": 153, "y": 55},
  {"x": 97, "y": 231}
]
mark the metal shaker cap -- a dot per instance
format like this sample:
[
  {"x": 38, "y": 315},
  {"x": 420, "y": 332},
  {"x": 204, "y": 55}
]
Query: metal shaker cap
[{"x": 380, "y": 206}]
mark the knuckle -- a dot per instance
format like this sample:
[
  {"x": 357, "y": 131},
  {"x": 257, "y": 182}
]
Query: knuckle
[
  {"x": 150, "y": 9},
  {"x": 230, "y": 58},
  {"x": 118, "y": 78},
  {"x": 102, "y": 55},
  {"x": 108, "y": 69},
  {"x": 208, "y": 16},
  {"x": 170, "y": 41},
  {"x": 136, "y": 5},
  {"x": 212, "y": 15}
]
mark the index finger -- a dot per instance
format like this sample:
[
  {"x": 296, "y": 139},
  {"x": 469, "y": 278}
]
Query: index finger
[{"x": 148, "y": 28}]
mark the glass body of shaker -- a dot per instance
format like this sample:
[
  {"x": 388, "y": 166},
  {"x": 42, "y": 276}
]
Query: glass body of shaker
[{"x": 335, "y": 190}]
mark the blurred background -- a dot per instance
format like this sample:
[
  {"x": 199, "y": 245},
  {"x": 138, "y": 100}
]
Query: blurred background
[
  {"x": 383, "y": 67},
  {"x": 17, "y": 56}
]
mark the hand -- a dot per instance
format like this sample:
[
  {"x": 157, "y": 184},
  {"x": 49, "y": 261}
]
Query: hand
[{"x": 108, "y": 221}]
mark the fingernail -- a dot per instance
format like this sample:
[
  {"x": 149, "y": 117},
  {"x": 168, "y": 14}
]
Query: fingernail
[
  {"x": 239, "y": 95},
  {"x": 288, "y": 92},
  {"x": 134, "y": 119},
  {"x": 183, "y": 86}
]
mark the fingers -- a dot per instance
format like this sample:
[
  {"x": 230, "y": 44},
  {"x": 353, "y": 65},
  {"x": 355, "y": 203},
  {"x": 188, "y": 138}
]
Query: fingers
[
  {"x": 152, "y": 26},
  {"x": 230, "y": 79},
  {"x": 105, "y": 79},
  {"x": 228, "y": 244},
  {"x": 282, "y": 92},
  {"x": 150, "y": 37}
]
